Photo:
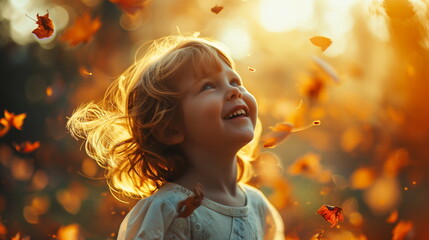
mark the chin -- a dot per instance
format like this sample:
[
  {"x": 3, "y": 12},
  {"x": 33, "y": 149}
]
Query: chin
[{"x": 245, "y": 139}]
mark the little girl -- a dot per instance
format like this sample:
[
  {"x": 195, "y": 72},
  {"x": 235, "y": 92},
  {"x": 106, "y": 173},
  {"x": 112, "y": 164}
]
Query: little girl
[{"x": 177, "y": 118}]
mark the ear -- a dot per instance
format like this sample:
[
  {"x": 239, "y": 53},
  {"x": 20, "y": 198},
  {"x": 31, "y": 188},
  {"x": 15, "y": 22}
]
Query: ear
[{"x": 170, "y": 135}]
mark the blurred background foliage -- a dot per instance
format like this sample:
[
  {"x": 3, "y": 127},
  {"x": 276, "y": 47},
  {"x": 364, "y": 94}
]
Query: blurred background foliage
[{"x": 368, "y": 88}]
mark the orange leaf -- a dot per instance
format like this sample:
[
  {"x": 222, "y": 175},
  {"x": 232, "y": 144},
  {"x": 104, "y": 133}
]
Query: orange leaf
[
  {"x": 277, "y": 135},
  {"x": 186, "y": 207},
  {"x": 331, "y": 214},
  {"x": 4, "y": 127},
  {"x": 216, "y": 9},
  {"x": 45, "y": 26},
  {"x": 393, "y": 217},
  {"x": 130, "y": 6},
  {"x": 13, "y": 120},
  {"x": 322, "y": 42},
  {"x": 27, "y": 147},
  {"x": 402, "y": 230},
  {"x": 82, "y": 30}
]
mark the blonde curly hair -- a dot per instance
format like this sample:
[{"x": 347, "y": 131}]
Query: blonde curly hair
[{"x": 123, "y": 132}]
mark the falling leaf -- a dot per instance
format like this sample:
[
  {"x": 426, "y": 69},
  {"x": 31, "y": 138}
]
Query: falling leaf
[
  {"x": 402, "y": 230},
  {"x": 15, "y": 120},
  {"x": 318, "y": 236},
  {"x": 186, "y": 207},
  {"x": 27, "y": 147},
  {"x": 81, "y": 31},
  {"x": 216, "y": 9},
  {"x": 331, "y": 214},
  {"x": 277, "y": 134},
  {"x": 322, "y": 42},
  {"x": 45, "y": 26},
  {"x": 11, "y": 120},
  {"x": 251, "y": 69},
  {"x": 393, "y": 217},
  {"x": 130, "y": 6}
]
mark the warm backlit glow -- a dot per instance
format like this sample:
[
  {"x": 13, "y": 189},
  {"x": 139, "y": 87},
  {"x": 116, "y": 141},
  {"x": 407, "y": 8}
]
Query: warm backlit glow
[{"x": 286, "y": 15}]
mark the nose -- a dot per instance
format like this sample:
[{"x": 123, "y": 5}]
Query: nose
[{"x": 233, "y": 93}]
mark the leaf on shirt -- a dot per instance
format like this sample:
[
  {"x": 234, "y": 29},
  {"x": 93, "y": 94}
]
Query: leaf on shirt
[
  {"x": 331, "y": 214},
  {"x": 186, "y": 207}
]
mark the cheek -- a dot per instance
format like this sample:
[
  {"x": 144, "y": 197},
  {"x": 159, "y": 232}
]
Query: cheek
[
  {"x": 200, "y": 112},
  {"x": 253, "y": 106}
]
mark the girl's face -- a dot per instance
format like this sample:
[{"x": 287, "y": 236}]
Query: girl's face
[{"x": 217, "y": 110}]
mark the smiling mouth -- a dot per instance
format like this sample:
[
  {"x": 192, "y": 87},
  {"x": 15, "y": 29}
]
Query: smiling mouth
[{"x": 242, "y": 112}]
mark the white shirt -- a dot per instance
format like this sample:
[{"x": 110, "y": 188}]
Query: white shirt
[{"x": 155, "y": 217}]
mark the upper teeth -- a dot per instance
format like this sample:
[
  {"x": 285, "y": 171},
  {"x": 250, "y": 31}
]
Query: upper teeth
[{"x": 236, "y": 113}]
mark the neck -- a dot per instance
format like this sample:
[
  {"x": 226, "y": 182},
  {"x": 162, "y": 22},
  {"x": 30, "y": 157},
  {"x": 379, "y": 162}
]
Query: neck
[{"x": 215, "y": 170}]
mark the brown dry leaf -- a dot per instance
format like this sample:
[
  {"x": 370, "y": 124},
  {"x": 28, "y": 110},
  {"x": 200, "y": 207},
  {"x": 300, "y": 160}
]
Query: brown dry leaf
[
  {"x": 186, "y": 207},
  {"x": 402, "y": 230},
  {"x": 322, "y": 42},
  {"x": 45, "y": 26},
  {"x": 82, "y": 30},
  {"x": 277, "y": 134},
  {"x": 331, "y": 214},
  {"x": 27, "y": 146},
  {"x": 130, "y": 6},
  {"x": 216, "y": 9}
]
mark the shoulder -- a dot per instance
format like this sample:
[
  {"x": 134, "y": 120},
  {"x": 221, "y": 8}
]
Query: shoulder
[
  {"x": 271, "y": 219},
  {"x": 254, "y": 195},
  {"x": 152, "y": 216}
]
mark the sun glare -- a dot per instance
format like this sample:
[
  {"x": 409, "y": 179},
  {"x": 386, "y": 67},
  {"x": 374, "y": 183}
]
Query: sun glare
[{"x": 285, "y": 15}]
